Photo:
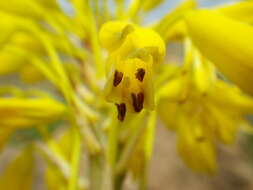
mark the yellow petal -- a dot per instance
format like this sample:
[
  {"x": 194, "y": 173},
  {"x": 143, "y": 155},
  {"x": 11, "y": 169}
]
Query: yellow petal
[
  {"x": 226, "y": 125},
  {"x": 169, "y": 113},
  {"x": 230, "y": 97},
  {"x": 27, "y": 8},
  {"x": 241, "y": 11},
  {"x": 30, "y": 74},
  {"x": 204, "y": 73},
  {"x": 226, "y": 42},
  {"x": 171, "y": 22},
  {"x": 196, "y": 149},
  {"x": 27, "y": 41},
  {"x": 140, "y": 40},
  {"x": 112, "y": 34},
  {"x": 10, "y": 63},
  {"x": 172, "y": 90},
  {"x": 18, "y": 112}
]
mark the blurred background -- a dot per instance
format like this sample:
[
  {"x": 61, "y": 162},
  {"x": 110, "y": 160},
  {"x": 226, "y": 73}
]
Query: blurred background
[{"x": 167, "y": 171}]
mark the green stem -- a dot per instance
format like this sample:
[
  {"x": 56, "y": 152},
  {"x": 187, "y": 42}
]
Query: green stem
[{"x": 75, "y": 161}]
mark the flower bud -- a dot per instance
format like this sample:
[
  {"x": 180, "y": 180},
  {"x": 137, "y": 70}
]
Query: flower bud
[{"x": 226, "y": 42}]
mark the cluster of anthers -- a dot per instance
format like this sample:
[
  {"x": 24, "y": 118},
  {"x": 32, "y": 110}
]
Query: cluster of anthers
[{"x": 133, "y": 54}]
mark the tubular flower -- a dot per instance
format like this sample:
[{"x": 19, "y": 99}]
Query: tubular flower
[
  {"x": 20, "y": 112},
  {"x": 12, "y": 63},
  {"x": 228, "y": 46},
  {"x": 133, "y": 54},
  {"x": 203, "y": 113},
  {"x": 241, "y": 11}
]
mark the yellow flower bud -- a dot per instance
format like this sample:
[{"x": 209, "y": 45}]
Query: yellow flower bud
[
  {"x": 226, "y": 42},
  {"x": 30, "y": 74},
  {"x": 10, "y": 63},
  {"x": 28, "y": 42},
  {"x": 241, "y": 11},
  {"x": 20, "y": 112}
]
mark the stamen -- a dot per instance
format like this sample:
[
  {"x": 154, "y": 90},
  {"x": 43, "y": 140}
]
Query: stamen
[
  {"x": 138, "y": 101},
  {"x": 121, "y": 111},
  {"x": 117, "y": 78},
  {"x": 140, "y": 74}
]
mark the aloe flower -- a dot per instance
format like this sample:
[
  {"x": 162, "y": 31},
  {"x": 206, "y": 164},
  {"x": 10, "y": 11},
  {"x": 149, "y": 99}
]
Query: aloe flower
[
  {"x": 130, "y": 65},
  {"x": 203, "y": 113},
  {"x": 89, "y": 82},
  {"x": 219, "y": 46}
]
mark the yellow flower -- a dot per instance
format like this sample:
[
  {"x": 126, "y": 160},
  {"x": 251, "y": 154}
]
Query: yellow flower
[
  {"x": 10, "y": 63},
  {"x": 226, "y": 42},
  {"x": 241, "y": 11},
  {"x": 20, "y": 112},
  {"x": 135, "y": 53},
  {"x": 28, "y": 42},
  {"x": 202, "y": 112},
  {"x": 28, "y": 8},
  {"x": 30, "y": 74}
]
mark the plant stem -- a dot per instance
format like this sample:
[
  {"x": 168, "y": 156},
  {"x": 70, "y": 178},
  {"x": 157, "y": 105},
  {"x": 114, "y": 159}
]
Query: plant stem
[{"x": 73, "y": 181}]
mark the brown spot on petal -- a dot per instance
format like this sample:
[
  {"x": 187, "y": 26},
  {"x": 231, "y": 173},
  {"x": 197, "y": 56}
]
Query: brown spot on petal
[
  {"x": 140, "y": 74},
  {"x": 138, "y": 101},
  {"x": 121, "y": 111},
  {"x": 117, "y": 78}
]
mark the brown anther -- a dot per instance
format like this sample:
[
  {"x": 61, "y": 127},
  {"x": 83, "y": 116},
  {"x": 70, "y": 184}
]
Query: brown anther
[
  {"x": 117, "y": 78},
  {"x": 140, "y": 74},
  {"x": 121, "y": 111},
  {"x": 138, "y": 101}
]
